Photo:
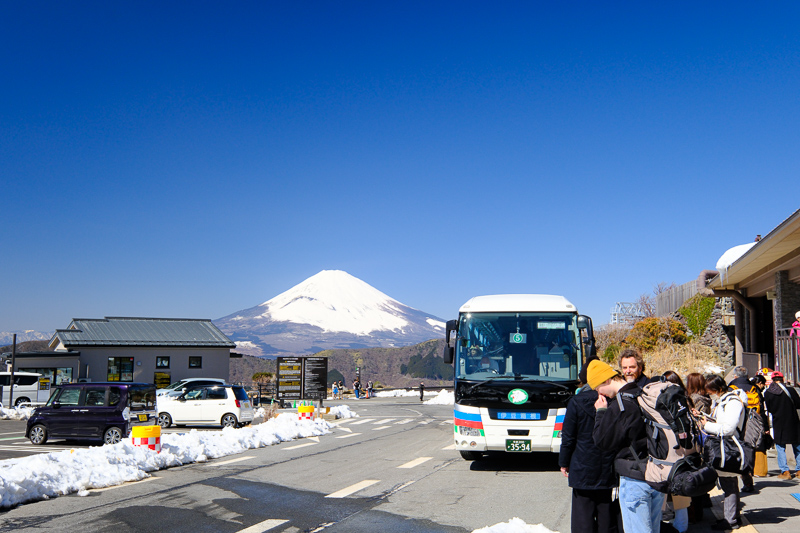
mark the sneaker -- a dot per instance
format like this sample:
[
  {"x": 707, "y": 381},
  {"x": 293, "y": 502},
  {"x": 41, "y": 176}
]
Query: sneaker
[
  {"x": 723, "y": 525},
  {"x": 785, "y": 476}
]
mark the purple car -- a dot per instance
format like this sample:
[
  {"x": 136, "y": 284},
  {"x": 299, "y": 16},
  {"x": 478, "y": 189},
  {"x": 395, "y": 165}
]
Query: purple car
[{"x": 96, "y": 411}]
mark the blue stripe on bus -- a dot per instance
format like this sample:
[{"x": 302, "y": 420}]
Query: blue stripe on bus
[{"x": 473, "y": 417}]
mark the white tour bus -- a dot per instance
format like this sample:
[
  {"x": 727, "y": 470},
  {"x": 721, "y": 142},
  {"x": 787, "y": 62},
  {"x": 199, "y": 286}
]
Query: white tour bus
[{"x": 517, "y": 358}]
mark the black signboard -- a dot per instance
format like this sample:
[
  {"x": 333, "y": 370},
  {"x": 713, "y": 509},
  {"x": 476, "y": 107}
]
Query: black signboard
[
  {"x": 302, "y": 378},
  {"x": 315, "y": 374}
]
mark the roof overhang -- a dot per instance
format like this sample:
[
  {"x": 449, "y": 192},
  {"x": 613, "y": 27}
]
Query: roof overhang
[{"x": 755, "y": 270}]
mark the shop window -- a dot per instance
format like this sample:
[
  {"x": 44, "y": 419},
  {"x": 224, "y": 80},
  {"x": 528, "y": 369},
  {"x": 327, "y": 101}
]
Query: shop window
[
  {"x": 120, "y": 369},
  {"x": 195, "y": 362},
  {"x": 162, "y": 362}
]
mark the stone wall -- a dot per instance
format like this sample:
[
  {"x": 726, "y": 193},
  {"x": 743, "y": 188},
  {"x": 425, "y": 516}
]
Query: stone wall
[{"x": 716, "y": 336}]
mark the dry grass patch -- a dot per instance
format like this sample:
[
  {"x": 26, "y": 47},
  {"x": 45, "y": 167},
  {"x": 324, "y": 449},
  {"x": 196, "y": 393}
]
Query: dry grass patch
[{"x": 681, "y": 358}]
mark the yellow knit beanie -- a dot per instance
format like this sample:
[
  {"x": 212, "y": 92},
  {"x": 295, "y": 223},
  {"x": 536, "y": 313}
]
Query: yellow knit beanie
[{"x": 598, "y": 372}]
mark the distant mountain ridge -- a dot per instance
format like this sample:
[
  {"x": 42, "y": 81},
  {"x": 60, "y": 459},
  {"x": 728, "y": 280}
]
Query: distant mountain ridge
[
  {"x": 7, "y": 337},
  {"x": 330, "y": 310}
]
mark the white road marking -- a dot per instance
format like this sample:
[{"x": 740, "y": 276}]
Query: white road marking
[
  {"x": 425, "y": 422},
  {"x": 362, "y": 421},
  {"x": 347, "y": 491},
  {"x": 385, "y": 421},
  {"x": 301, "y": 446},
  {"x": 346, "y": 429},
  {"x": 401, "y": 422},
  {"x": 416, "y": 462},
  {"x": 127, "y": 484},
  {"x": 266, "y": 525},
  {"x": 451, "y": 447},
  {"x": 315, "y": 439},
  {"x": 348, "y": 436},
  {"x": 379, "y": 428},
  {"x": 448, "y": 422},
  {"x": 229, "y": 461}
]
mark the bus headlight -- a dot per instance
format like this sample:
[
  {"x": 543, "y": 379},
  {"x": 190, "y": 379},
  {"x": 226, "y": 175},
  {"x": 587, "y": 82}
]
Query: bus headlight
[{"x": 473, "y": 444}]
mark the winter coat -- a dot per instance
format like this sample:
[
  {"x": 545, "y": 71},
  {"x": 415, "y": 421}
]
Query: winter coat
[
  {"x": 785, "y": 424},
  {"x": 590, "y": 468},
  {"x": 621, "y": 426},
  {"x": 729, "y": 412}
]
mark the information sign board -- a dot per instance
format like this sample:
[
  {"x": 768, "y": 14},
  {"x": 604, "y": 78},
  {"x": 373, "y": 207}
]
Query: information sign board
[{"x": 302, "y": 378}]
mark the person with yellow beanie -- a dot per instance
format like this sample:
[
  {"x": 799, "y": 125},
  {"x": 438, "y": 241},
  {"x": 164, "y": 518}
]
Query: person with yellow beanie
[{"x": 619, "y": 427}]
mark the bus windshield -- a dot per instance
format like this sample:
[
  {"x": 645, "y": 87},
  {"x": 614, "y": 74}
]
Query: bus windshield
[{"x": 538, "y": 346}]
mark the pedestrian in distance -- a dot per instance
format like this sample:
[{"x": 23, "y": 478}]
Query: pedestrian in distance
[
  {"x": 421, "y": 391},
  {"x": 760, "y": 467},
  {"x": 335, "y": 390},
  {"x": 727, "y": 418},
  {"x": 589, "y": 470},
  {"x": 782, "y": 403},
  {"x": 620, "y": 428},
  {"x": 631, "y": 364}
]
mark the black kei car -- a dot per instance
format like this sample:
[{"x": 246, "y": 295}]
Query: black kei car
[{"x": 93, "y": 411}]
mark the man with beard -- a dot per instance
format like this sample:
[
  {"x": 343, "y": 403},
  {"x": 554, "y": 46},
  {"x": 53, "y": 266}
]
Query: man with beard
[{"x": 631, "y": 366}]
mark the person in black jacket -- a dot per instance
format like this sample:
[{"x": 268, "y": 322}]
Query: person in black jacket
[
  {"x": 620, "y": 428},
  {"x": 589, "y": 469},
  {"x": 782, "y": 403}
]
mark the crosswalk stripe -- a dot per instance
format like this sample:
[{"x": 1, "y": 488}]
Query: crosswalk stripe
[
  {"x": 380, "y": 428},
  {"x": 416, "y": 462},
  {"x": 229, "y": 461},
  {"x": 451, "y": 447},
  {"x": 362, "y": 422},
  {"x": 261, "y": 527},
  {"x": 347, "y": 491},
  {"x": 348, "y": 436},
  {"x": 406, "y": 421},
  {"x": 301, "y": 446},
  {"x": 385, "y": 421}
]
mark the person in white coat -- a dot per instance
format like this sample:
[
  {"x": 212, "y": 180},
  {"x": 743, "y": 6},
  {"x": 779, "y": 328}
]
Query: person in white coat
[{"x": 728, "y": 414}]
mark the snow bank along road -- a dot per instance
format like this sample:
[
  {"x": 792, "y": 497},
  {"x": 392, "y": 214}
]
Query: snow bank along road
[{"x": 391, "y": 469}]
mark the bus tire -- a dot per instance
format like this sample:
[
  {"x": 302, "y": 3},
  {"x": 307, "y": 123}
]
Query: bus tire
[{"x": 471, "y": 456}]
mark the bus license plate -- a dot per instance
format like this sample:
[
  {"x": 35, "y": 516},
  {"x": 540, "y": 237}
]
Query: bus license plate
[
  {"x": 142, "y": 418},
  {"x": 514, "y": 445}
]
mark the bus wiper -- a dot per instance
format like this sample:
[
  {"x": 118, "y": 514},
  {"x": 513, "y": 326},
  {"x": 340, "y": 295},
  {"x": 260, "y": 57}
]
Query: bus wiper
[{"x": 472, "y": 388}]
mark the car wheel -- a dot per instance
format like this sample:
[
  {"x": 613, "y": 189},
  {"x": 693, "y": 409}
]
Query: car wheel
[
  {"x": 229, "y": 421},
  {"x": 112, "y": 435},
  {"x": 38, "y": 434},
  {"x": 164, "y": 420},
  {"x": 471, "y": 456},
  {"x": 20, "y": 401}
]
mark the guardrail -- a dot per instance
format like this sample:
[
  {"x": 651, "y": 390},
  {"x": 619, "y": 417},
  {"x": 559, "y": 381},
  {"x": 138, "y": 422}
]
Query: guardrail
[{"x": 787, "y": 347}]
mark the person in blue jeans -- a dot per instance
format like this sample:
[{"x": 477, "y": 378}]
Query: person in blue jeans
[
  {"x": 619, "y": 427},
  {"x": 782, "y": 403}
]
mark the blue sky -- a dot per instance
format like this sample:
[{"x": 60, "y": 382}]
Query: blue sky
[{"x": 191, "y": 159}]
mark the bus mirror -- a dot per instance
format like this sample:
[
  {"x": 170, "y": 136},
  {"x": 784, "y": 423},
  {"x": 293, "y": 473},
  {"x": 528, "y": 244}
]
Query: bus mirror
[
  {"x": 585, "y": 324},
  {"x": 451, "y": 326}
]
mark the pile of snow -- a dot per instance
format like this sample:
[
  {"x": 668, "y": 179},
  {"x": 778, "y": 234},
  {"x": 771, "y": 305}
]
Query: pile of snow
[
  {"x": 444, "y": 397},
  {"x": 515, "y": 525},
  {"x": 43, "y": 476},
  {"x": 733, "y": 255},
  {"x": 342, "y": 411},
  {"x": 19, "y": 413}
]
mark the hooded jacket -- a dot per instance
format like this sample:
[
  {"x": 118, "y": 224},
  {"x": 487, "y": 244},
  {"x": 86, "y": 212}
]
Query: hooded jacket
[
  {"x": 620, "y": 427},
  {"x": 590, "y": 468}
]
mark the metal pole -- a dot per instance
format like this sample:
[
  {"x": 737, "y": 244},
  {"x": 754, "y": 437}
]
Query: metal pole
[{"x": 11, "y": 381}]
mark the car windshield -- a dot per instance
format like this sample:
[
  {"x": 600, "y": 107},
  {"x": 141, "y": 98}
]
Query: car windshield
[
  {"x": 176, "y": 385},
  {"x": 539, "y": 346}
]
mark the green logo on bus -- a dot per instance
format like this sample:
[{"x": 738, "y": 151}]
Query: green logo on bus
[{"x": 517, "y": 396}]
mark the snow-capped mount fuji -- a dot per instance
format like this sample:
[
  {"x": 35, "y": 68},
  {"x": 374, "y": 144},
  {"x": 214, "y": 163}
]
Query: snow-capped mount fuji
[{"x": 329, "y": 310}]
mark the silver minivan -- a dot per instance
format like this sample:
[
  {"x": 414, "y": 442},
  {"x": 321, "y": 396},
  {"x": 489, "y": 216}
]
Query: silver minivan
[{"x": 26, "y": 388}]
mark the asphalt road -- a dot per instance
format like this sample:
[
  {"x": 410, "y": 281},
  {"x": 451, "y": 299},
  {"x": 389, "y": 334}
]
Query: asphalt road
[{"x": 390, "y": 470}]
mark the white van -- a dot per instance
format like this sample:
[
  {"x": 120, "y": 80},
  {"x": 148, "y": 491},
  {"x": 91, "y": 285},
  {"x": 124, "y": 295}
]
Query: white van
[{"x": 26, "y": 388}]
